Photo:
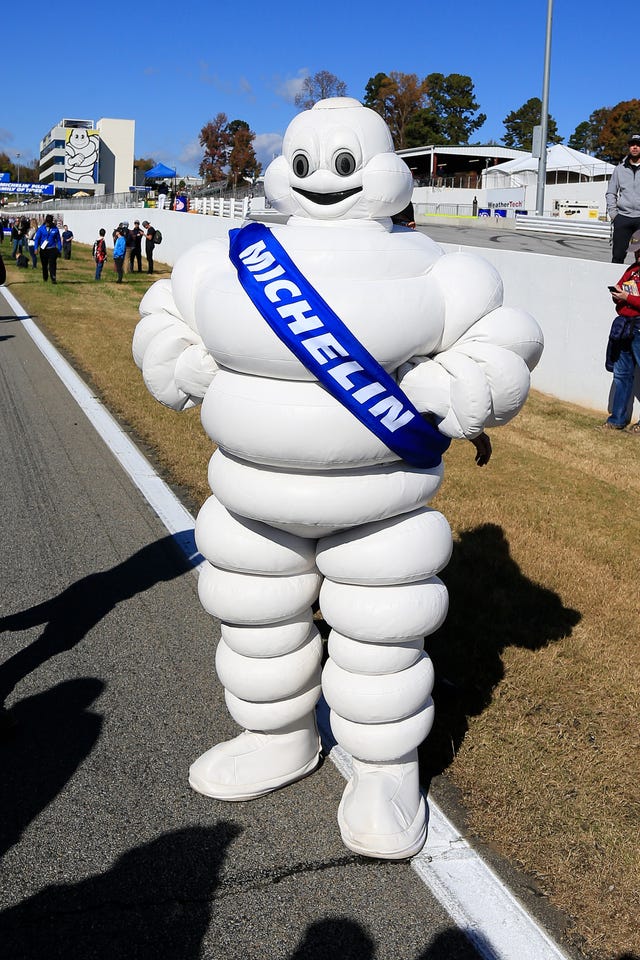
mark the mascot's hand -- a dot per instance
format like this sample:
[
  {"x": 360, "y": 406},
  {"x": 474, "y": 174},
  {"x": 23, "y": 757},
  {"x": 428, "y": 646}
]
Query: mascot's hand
[
  {"x": 482, "y": 378},
  {"x": 176, "y": 366}
]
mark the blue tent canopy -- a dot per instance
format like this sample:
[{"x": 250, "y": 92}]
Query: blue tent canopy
[{"x": 160, "y": 171}]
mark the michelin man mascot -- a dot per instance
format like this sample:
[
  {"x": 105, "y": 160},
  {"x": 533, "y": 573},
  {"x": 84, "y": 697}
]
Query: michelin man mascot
[{"x": 336, "y": 356}]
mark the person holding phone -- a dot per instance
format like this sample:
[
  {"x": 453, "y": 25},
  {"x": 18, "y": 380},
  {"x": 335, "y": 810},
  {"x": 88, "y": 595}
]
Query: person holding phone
[{"x": 623, "y": 351}]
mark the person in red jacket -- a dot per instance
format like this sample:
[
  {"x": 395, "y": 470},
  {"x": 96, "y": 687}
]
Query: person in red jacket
[{"x": 626, "y": 296}]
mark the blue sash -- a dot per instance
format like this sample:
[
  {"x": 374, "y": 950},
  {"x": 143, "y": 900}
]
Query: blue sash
[{"x": 307, "y": 325}]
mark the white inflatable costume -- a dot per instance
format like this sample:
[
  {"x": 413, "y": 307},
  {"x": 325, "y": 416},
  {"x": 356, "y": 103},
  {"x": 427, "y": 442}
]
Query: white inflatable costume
[{"x": 306, "y": 500}]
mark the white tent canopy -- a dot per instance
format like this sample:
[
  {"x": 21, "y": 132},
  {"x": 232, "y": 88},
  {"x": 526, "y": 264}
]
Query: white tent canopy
[{"x": 560, "y": 160}]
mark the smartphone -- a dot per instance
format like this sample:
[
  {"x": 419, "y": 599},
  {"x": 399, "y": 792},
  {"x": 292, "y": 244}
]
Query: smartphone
[{"x": 612, "y": 288}]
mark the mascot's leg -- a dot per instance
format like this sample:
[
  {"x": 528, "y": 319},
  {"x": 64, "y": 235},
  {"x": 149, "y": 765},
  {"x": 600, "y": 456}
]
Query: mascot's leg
[
  {"x": 381, "y": 598},
  {"x": 260, "y": 583}
]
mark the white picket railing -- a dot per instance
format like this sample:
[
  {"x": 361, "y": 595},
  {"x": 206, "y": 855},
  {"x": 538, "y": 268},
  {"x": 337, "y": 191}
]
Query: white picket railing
[{"x": 221, "y": 206}]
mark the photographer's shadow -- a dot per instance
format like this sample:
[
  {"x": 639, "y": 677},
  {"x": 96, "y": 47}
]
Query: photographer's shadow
[
  {"x": 50, "y": 735},
  {"x": 68, "y": 617},
  {"x": 155, "y": 902},
  {"x": 492, "y": 607}
]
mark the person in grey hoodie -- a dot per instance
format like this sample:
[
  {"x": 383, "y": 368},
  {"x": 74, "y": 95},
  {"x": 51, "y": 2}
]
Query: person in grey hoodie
[{"x": 623, "y": 200}]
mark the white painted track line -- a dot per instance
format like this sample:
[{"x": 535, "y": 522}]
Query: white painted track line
[{"x": 475, "y": 898}]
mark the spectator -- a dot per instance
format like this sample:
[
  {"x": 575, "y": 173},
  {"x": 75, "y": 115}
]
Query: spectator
[
  {"x": 23, "y": 230},
  {"x": 163, "y": 190},
  {"x": 15, "y": 239},
  {"x": 49, "y": 244},
  {"x": 119, "y": 250},
  {"x": 67, "y": 237},
  {"x": 3, "y": 271},
  {"x": 406, "y": 217},
  {"x": 135, "y": 253},
  {"x": 100, "y": 252},
  {"x": 623, "y": 351},
  {"x": 31, "y": 243},
  {"x": 149, "y": 244},
  {"x": 623, "y": 200},
  {"x": 130, "y": 247}
]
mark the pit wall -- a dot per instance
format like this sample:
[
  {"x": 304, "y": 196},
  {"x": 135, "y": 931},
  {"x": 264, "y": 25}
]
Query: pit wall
[
  {"x": 592, "y": 193},
  {"x": 568, "y": 297}
]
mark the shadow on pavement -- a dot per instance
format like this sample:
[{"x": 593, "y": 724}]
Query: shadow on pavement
[
  {"x": 155, "y": 902},
  {"x": 339, "y": 937},
  {"x": 492, "y": 607},
  {"x": 74, "y": 612},
  {"x": 50, "y": 735}
]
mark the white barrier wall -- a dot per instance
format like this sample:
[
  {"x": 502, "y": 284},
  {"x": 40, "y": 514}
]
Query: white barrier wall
[
  {"x": 570, "y": 301},
  {"x": 568, "y": 297}
]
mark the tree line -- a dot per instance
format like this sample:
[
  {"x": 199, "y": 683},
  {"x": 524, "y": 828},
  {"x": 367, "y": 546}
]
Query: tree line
[{"x": 437, "y": 109}]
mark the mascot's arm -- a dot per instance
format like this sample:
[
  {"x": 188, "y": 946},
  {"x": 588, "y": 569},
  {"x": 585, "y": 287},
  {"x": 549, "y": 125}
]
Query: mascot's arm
[
  {"x": 479, "y": 375},
  {"x": 176, "y": 366}
]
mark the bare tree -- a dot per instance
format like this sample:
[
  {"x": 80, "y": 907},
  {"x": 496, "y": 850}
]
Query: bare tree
[{"x": 318, "y": 87}]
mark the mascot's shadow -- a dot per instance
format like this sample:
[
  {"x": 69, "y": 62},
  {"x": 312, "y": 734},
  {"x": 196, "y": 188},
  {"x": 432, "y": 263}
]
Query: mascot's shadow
[{"x": 492, "y": 606}]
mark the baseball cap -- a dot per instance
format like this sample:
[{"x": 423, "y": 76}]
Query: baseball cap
[{"x": 634, "y": 138}]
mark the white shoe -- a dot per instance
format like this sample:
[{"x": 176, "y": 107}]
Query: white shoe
[
  {"x": 255, "y": 763},
  {"x": 383, "y": 811}
]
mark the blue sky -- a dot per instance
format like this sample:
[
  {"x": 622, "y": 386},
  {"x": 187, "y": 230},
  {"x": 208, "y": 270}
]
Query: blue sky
[{"x": 175, "y": 68}]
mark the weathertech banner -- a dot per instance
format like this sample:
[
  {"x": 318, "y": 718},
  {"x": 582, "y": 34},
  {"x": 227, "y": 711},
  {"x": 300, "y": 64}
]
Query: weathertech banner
[{"x": 307, "y": 325}]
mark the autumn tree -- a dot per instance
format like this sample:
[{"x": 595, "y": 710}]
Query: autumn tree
[
  {"x": 396, "y": 97},
  {"x": 318, "y": 87},
  {"x": 519, "y": 125},
  {"x": 28, "y": 170},
  {"x": 228, "y": 151},
  {"x": 438, "y": 109},
  {"x": 214, "y": 138},
  {"x": 144, "y": 164},
  {"x": 621, "y": 122},
  {"x": 242, "y": 158}
]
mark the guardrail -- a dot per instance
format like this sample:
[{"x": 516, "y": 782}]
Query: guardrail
[{"x": 597, "y": 229}]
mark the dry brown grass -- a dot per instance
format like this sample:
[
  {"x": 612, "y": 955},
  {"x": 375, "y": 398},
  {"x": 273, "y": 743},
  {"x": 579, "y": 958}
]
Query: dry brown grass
[{"x": 541, "y": 735}]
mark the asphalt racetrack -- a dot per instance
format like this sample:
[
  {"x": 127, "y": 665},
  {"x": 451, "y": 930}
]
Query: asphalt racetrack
[{"x": 506, "y": 238}]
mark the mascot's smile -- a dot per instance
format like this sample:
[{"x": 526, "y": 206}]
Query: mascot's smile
[{"x": 327, "y": 198}]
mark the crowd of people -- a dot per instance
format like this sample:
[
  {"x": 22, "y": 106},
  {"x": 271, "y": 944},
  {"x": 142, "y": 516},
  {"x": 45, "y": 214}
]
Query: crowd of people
[{"x": 40, "y": 241}]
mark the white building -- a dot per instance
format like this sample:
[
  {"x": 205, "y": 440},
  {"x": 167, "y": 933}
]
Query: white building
[{"x": 93, "y": 157}]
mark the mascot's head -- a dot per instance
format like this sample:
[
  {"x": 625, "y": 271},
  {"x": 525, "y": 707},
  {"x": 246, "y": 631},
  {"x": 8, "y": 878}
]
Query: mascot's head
[
  {"x": 79, "y": 138},
  {"x": 338, "y": 162}
]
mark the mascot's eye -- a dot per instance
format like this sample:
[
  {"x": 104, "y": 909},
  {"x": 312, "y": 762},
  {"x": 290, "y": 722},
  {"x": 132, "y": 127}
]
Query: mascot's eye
[
  {"x": 345, "y": 164},
  {"x": 300, "y": 165}
]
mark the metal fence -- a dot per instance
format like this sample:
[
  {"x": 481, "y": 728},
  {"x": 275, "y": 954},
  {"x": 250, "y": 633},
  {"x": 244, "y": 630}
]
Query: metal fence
[
  {"x": 444, "y": 209},
  {"x": 595, "y": 229},
  {"x": 221, "y": 202}
]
